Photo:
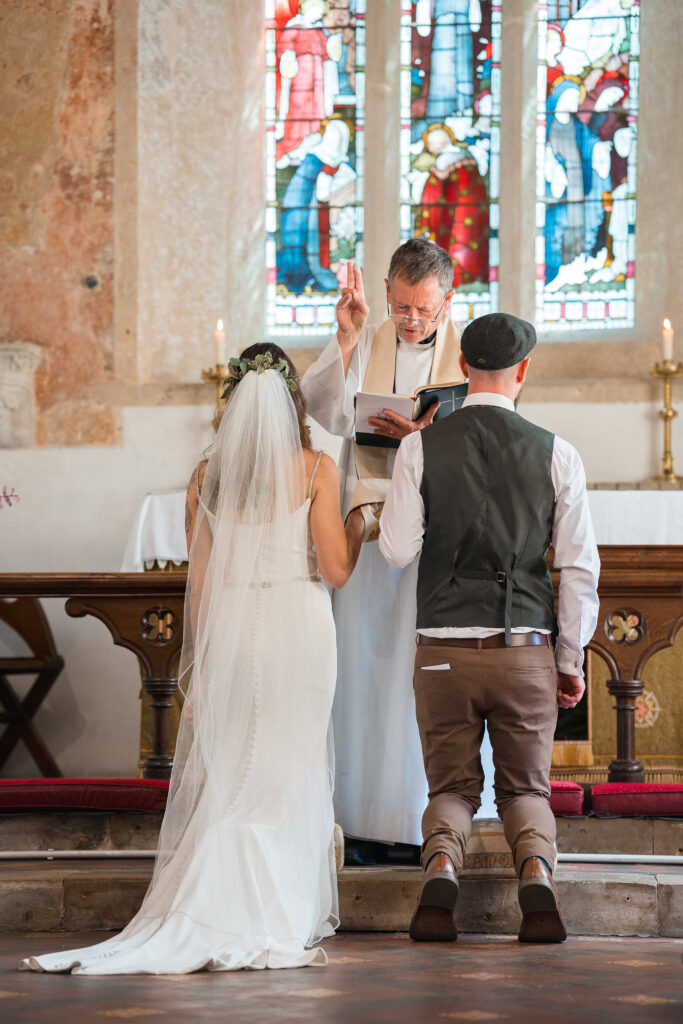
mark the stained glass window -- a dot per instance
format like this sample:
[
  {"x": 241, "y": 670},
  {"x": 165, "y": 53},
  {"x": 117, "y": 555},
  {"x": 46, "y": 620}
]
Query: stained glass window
[
  {"x": 586, "y": 163},
  {"x": 314, "y": 100},
  {"x": 450, "y": 140}
]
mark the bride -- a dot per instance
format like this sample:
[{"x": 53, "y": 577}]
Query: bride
[{"x": 244, "y": 875}]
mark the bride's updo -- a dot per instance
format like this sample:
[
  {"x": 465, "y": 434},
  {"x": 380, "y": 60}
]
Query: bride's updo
[{"x": 261, "y": 349}]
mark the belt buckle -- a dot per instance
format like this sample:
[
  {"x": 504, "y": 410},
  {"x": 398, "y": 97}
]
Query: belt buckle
[{"x": 501, "y": 577}]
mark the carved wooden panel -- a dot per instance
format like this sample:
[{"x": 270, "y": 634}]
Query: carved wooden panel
[{"x": 641, "y": 611}]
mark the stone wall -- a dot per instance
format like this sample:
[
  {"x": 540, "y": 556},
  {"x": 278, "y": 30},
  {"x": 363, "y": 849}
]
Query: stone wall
[{"x": 56, "y": 207}]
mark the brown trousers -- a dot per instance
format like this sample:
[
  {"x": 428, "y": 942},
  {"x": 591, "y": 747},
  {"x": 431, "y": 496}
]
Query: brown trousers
[{"x": 514, "y": 690}]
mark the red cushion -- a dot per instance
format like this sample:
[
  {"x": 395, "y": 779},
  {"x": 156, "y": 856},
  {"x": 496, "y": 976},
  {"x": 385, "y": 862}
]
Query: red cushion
[
  {"x": 83, "y": 794},
  {"x": 566, "y": 798},
  {"x": 638, "y": 799}
]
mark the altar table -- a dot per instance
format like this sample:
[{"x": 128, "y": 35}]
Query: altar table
[
  {"x": 158, "y": 533},
  {"x": 637, "y": 517},
  {"x": 641, "y": 611},
  {"x": 634, "y": 517}
]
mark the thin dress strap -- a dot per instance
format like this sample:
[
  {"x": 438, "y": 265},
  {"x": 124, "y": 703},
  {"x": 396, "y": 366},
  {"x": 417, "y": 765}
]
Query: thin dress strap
[
  {"x": 315, "y": 470},
  {"x": 195, "y": 481},
  {"x": 195, "y": 478}
]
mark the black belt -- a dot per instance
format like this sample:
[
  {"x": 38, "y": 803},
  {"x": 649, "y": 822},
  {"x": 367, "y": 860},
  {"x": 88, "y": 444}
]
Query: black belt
[{"x": 481, "y": 643}]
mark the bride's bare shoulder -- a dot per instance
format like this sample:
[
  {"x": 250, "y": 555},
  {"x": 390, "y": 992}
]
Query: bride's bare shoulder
[{"x": 326, "y": 473}]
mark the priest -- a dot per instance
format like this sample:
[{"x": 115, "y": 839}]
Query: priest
[{"x": 380, "y": 787}]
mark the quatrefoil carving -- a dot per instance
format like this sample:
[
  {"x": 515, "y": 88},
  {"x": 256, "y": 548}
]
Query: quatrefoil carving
[
  {"x": 625, "y": 626},
  {"x": 158, "y": 625}
]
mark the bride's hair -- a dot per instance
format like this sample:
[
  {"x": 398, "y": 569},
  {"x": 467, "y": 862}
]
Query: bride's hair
[{"x": 297, "y": 397}]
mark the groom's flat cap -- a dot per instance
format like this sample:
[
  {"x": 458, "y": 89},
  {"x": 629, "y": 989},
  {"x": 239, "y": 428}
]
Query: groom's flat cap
[{"x": 497, "y": 340}]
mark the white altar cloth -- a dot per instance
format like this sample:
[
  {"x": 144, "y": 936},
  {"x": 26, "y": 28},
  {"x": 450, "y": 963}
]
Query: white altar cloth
[
  {"x": 619, "y": 517},
  {"x": 637, "y": 517},
  {"x": 158, "y": 532}
]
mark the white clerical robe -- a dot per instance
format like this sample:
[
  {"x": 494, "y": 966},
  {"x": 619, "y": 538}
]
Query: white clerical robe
[{"x": 380, "y": 784}]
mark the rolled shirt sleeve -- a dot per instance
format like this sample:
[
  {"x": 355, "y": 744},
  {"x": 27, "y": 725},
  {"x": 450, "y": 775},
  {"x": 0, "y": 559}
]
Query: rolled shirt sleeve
[
  {"x": 576, "y": 556},
  {"x": 402, "y": 523},
  {"x": 329, "y": 395}
]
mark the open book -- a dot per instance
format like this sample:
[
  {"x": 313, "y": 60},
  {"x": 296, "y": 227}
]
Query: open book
[{"x": 449, "y": 396}]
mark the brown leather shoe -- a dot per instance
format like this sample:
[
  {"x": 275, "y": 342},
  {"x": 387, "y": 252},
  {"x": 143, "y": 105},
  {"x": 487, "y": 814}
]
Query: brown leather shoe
[
  {"x": 541, "y": 915},
  {"x": 434, "y": 917}
]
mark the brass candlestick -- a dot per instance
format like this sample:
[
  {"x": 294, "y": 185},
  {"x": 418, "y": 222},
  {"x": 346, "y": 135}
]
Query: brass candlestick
[
  {"x": 667, "y": 371},
  {"x": 217, "y": 375}
]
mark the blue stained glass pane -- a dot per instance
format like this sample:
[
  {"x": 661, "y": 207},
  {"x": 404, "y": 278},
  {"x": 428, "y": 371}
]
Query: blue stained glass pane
[
  {"x": 586, "y": 162},
  {"x": 315, "y": 58},
  {"x": 450, "y": 144}
]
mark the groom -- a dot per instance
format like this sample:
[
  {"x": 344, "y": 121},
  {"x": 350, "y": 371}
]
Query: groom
[{"x": 480, "y": 496}]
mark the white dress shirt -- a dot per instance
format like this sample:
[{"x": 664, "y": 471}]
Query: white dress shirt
[
  {"x": 413, "y": 366},
  {"x": 402, "y": 526}
]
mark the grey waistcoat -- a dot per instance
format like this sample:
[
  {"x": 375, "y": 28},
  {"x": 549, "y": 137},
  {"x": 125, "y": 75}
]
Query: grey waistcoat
[{"x": 489, "y": 505}]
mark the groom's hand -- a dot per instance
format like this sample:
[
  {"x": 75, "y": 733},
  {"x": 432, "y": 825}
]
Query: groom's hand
[
  {"x": 390, "y": 424},
  {"x": 570, "y": 690}
]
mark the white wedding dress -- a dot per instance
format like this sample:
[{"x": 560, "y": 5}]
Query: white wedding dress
[{"x": 245, "y": 873}]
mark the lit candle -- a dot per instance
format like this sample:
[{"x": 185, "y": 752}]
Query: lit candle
[
  {"x": 219, "y": 336},
  {"x": 667, "y": 341}
]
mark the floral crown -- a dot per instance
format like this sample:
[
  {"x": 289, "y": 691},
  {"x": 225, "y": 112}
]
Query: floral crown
[{"x": 238, "y": 368}]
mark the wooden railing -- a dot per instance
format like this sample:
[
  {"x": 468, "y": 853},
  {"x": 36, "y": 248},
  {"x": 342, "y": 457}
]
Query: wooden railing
[
  {"x": 641, "y": 610},
  {"x": 143, "y": 612}
]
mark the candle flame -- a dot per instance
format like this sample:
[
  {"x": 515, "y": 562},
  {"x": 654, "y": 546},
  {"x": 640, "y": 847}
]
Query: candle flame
[
  {"x": 219, "y": 325},
  {"x": 667, "y": 325}
]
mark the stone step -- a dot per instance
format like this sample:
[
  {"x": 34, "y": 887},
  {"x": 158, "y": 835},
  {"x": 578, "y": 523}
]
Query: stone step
[
  {"x": 95, "y": 830},
  {"x": 596, "y": 899},
  {"x": 80, "y": 830}
]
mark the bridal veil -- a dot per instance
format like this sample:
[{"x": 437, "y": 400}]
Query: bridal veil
[{"x": 244, "y": 875}]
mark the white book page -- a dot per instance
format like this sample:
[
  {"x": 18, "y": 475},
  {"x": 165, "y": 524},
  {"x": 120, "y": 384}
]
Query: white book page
[{"x": 371, "y": 405}]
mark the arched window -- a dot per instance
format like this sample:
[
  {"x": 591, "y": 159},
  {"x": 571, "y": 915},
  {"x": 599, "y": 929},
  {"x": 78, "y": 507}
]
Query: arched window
[
  {"x": 450, "y": 140},
  {"x": 586, "y": 163},
  {"x": 573, "y": 197},
  {"x": 314, "y": 110}
]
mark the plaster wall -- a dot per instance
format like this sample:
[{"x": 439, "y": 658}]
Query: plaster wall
[
  {"x": 56, "y": 207},
  {"x": 195, "y": 158}
]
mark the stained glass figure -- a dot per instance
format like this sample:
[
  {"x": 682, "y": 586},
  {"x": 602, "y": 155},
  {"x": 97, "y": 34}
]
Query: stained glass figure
[
  {"x": 315, "y": 59},
  {"x": 450, "y": 140},
  {"x": 586, "y": 163}
]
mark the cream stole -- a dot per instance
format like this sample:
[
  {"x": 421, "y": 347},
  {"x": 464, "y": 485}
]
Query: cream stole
[{"x": 371, "y": 462}]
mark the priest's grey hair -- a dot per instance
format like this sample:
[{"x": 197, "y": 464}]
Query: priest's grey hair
[{"x": 417, "y": 259}]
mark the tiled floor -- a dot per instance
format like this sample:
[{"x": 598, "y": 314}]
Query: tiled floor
[{"x": 371, "y": 978}]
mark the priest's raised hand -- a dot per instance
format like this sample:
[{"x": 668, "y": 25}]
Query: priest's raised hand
[{"x": 352, "y": 313}]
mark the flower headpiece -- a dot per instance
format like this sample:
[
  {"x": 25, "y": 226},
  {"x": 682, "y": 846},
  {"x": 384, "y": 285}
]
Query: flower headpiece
[{"x": 238, "y": 368}]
